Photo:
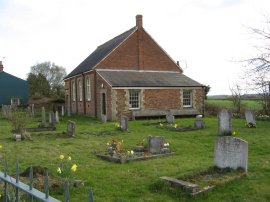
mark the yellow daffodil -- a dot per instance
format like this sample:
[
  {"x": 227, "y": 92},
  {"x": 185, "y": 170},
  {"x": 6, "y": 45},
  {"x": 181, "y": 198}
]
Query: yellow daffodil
[
  {"x": 74, "y": 167},
  {"x": 175, "y": 126},
  {"x": 234, "y": 133},
  {"x": 1, "y": 146},
  {"x": 161, "y": 125},
  {"x": 61, "y": 156},
  {"x": 122, "y": 141},
  {"x": 128, "y": 152},
  {"x": 59, "y": 170},
  {"x": 69, "y": 158}
]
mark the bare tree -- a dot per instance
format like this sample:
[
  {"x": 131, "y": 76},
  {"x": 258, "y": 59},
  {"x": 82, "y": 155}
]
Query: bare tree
[
  {"x": 258, "y": 73},
  {"x": 237, "y": 98}
]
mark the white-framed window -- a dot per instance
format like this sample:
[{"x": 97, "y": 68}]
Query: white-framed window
[
  {"x": 73, "y": 91},
  {"x": 80, "y": 89},
  {"x": 87, "y": 89},
  {"x": 15, "y": 101},
  {"x": 134, "y": 99},
  {"x": 187, "y": 98}
]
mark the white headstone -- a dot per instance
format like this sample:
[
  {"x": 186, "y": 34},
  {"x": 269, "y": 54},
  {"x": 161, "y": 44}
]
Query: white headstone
[
  {"x": 231, "y": 152},
  {"x": 62, "y": 110},
  {"x": 56, "y": 117},
  {"x": 224, "y": 122}
]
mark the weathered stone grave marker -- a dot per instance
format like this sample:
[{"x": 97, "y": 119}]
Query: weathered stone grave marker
[
  {"x": 250, "y": 118},
  {"x": 199, "y": 124},
  {"x": 124, "y": 123},
  {"x": 33, "y": 109},
  {"x": 62, "y": 110},
  {"x": 43, "y": 117},
  {"x": 224, "y": 122},
  {"x": 156, "y": 144},
  {"x": 71, "y": 126},
  {"x": 231, "y": 152},
  {"x": 170, "y": 118},
  {"x": 56, "y": 117}
]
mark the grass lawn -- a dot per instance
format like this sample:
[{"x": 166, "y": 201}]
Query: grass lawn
[
  {"x": 252, "y": 104},
  {"x": 139, "y": 181}
]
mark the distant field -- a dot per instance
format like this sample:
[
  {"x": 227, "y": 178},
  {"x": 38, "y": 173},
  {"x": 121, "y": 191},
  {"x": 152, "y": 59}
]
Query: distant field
[{"x": 252, "y": 104}]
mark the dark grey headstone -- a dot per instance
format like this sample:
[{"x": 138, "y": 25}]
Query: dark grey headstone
[
  {"x": 124, "y": 123},
  {"x": 156, "y": 144},
  {"x": 71, "y": 126},
  {"x": 224, "y": 122},
  {"x": 250, "y": 118},
  {"x": 43, "y": 117},
  {"x": 199, "y": 124},
  {"x": 231, "y": 152},
  {"x": 170, "y": 118}
]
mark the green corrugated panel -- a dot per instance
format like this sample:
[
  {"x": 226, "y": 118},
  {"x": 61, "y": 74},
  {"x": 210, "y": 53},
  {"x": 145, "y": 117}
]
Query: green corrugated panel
[{"x": 12, "y": 87}]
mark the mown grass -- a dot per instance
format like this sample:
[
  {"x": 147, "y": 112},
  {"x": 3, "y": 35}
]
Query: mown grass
[
  {"x": 139, "y": 181},
  {"x": 251, "y": 104}
]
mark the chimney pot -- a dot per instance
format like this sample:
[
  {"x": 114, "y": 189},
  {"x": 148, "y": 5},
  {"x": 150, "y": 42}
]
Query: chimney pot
[{"x": 139, "y": 21}]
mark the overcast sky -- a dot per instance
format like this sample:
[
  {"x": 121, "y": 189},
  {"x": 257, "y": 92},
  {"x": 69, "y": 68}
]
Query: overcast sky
[{"x": 206, "y": 36}]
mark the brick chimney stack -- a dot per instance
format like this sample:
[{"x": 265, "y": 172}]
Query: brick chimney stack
[
  {"x": 139, "y": 21},
  {"x": 1, "y": 66}
]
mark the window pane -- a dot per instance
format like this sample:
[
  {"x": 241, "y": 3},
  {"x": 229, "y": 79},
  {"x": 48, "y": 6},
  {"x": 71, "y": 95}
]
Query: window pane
[
  {"x": 73, "y": 91},
  {"x": 187, "y": 98},
  {"x": 134, "y": 101}
]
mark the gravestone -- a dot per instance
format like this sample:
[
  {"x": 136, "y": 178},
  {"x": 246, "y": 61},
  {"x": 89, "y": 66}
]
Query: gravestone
[
  {"x": 224, "y": 122},
  {"x": 155, "y": 144},
  {"x": 56, "y": 117},
  {"x": 71, "y": 128},
  {"x": 52, "y": 120},
  {"x": 124, "y": 123},
  {"x": 33, "y": 109},
  {"x": 170, "y": 118},
  {"x": 68, "y": 110},
  {"x": 199, "y": 124},
  {"x": 231, "y": 152},
  {"x": 43, "y": 117},
  {"x": 250, "y": 118},
  {"x": 62, "y": 110}
]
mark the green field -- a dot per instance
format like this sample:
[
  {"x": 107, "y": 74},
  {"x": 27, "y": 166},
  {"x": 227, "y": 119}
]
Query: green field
[
  {"x": 251, "y": 104},
  {"x": 139, "y": 181}
]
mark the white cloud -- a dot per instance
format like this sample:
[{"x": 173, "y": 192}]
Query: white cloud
[{"x": 206, "y": 34}]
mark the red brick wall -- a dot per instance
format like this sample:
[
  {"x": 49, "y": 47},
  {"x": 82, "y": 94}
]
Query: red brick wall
[
  {"x": 90, "y": 105},
  {"x": 106, "y": 88},
  {"x": 84, "y": 106},
  {"x": 126, "y": 56},
  {"x": 162, "y": 99}
]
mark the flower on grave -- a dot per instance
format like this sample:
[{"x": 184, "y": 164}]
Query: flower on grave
[
  {"x": 161, "y": 125},
  {"x": 117, "y": 125},
  {"x": 128, "y": 152},
  {"x": 1, "y": 146},
  {"x": 166, "y": 144},
  {"x": 234, "y": 133},
  {"x": 175, "y": 125},
  {"x": 59, "y": 170},
  {"x": 66, "y": 167},
  {"x": 73, "y": 168}
]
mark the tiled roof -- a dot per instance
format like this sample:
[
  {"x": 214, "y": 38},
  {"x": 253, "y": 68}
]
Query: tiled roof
[
  {"x": 101, "y": 52},
  {"x": 147, "y": 79}
]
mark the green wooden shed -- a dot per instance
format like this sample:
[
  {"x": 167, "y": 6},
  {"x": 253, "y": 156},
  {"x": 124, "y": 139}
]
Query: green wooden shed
[{"x": 13, "y": 90}]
